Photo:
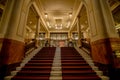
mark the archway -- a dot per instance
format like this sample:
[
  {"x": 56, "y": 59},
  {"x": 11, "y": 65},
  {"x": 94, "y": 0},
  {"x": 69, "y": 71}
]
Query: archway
[
  {"x": 115, "y": 10},
  {"x": 31, "y": 26}
]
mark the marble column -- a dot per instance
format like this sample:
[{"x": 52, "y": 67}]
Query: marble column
[
  {"x": 79, "y": 31},
  {"x": 48, "y": 35},
  {"x": 104, "y": 38},
  {"x": 69, "y": 35},
  {"x": 37, "y": 32},
  {"x": 12, "y": 34}
]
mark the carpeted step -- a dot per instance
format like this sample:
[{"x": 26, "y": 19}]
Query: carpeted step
[
  {"x": 71, "y": 54},
  {"x": 78, "y": 72},
  {"x": 38, "y": 64},
  {"x": 76, "y": 68},
  {"x": 40, "y": 61},
  {"x": 86, "y": 77},
  {"x": 36, "y": 68},
  {"x": 31, "y": 78},
  {"x": 34, "y": 73},
  {"x": 74, "y": 64},
  {"x": 73, "y": 61},
  {"x": 46, "y": 56},
  {"x": 72, "y": 58}
]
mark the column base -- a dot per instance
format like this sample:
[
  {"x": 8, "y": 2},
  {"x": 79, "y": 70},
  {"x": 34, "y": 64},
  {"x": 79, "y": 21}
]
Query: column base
[
  {"x": 104, "y": 57},
  {"x": 108, "y": 70},
  {"x": 12, "y": 53},
  {"x": 6, "y": 69},
  {"x": 102, "y": 51}
]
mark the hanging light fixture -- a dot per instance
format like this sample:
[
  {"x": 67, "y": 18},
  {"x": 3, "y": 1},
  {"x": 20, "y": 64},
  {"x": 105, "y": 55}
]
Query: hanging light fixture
[
  {"x": 58, "y": 26},
  {"x": 46, "y": 15},
  {"x": 70, "y": 15}
]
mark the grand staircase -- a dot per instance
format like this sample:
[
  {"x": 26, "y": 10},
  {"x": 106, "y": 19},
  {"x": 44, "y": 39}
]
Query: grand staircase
[{"x": 52, "y": 63}]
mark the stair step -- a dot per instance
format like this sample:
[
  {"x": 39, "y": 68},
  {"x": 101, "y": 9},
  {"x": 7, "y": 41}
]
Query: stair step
[
  {"x": 56, "y": 68},
  {"x": 73, "y": 61},
  {"x": 42, "y": 59},
  {"x": 38, "y": 64},
  {"x": 75, "y": 64},
  {"x": 78, "y": 72},
  {"x": 33, "y": 73},
  {"x": 80, "y": 78},
  {"x": 30, "y": 78},
  {"x": 70, "y": 58},
  {"x": 76, "y": 67},
  {"x": 56, "y": 78},
  {"x": 56, "y": 73},
  {"x": 36, "y": 68}
]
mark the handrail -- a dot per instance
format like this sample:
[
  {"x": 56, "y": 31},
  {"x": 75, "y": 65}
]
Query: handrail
[
  {"x": 86, "y": 45},
  {"x": 29, "y": 46}
]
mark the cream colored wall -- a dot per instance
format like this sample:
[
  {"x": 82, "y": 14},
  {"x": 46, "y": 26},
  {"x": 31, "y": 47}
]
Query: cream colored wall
[
  {"x": 100, "y": 21},
  {"x": 108, "y": 18},
  {"x": 86, "y": 34},
  {"x": 14, "y": 20},
  {"x": 5, "y": 18}
]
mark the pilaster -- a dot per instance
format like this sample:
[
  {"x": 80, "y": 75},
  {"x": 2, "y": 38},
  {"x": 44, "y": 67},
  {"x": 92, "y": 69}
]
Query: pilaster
[
  {"x": 12, "y": 30},
  {"x": 79, "y": 31},
  {"x": 37, "y": 32}
]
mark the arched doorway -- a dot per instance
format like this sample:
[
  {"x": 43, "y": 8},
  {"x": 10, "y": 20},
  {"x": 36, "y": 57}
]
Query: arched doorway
[{"x": 31, "y": 26}]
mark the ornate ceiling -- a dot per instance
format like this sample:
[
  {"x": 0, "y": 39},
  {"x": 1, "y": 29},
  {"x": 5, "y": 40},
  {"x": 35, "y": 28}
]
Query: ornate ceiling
[
  {"x": 115, "y": 8},
  {"x": 58, "y": 14}
]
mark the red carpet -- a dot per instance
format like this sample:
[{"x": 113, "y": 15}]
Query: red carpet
[
  {"x": 39, "y": 67},
  {"x": 74, "y": 67}
]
